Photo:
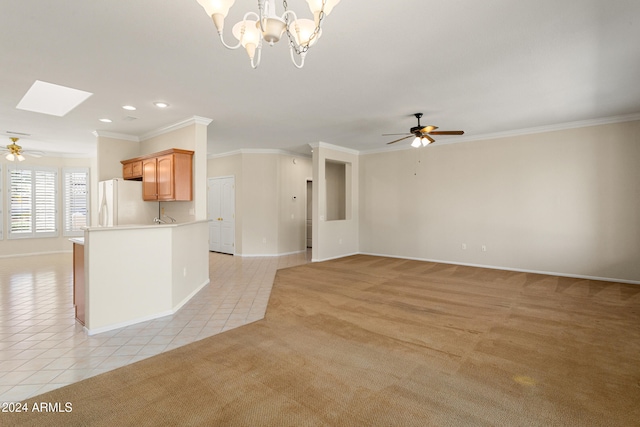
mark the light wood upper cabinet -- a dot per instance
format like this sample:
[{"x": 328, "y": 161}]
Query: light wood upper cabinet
[
  {"x": 132, "y": 170},
  {"x": 149, "y": 180},
  {"x": 166, "y": 176}
]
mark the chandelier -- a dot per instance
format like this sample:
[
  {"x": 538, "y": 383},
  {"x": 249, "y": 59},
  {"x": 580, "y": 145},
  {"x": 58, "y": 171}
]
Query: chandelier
[
  {"x": 267, "y": 26},
  {"x": 15, "y": 151}
]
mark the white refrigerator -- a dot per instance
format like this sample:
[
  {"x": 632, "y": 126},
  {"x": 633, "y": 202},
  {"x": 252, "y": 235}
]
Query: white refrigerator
[{"x": 120, "y": 203}]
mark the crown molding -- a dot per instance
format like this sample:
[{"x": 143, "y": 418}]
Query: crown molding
[
  {"x": 522, "y": 132},
  {"x": 257, "y": 151},
  {"x": 326, "y": 145},
  {"x": 114, "y": 135},
  {"x": 548, "y": 128},
  {"x": 179, "y": 125}
]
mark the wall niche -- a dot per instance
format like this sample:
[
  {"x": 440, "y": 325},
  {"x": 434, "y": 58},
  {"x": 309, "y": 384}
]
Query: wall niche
[{"x": 338, "y": 186}]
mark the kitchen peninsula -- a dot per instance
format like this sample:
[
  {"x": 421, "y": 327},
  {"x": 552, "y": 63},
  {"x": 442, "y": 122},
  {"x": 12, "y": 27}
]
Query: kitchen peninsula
[{"x": 136, "y": 273}]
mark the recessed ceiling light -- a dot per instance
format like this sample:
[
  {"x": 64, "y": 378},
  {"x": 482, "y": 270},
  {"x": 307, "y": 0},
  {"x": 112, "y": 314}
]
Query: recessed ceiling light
[
  {"x": 106, "y": 120},
  {"x": 160, "y": 104},
  {"x": 129, "y": 107},
  {"x": 48, "y": 98}
]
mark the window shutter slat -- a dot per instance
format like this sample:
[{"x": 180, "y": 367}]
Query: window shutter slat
[
  {"x": 75, "y": 201},
  {"x": 33, "y": 202}
]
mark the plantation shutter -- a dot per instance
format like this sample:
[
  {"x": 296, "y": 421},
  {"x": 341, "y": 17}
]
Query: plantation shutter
[
  {"x": 32, "y": 202},
  {"x": 20, "y": 211},
  {"x": 76, "y": 201},
  {"x": 45, "y": 202}
]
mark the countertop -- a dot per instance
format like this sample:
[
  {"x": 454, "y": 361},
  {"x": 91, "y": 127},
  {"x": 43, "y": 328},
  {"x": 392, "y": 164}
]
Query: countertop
[{"x": 144, "y": 226}]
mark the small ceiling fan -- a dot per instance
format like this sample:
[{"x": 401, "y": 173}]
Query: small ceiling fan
[
  {"x": 15, "y": 152},
  {"x": 422, "y": 134}
]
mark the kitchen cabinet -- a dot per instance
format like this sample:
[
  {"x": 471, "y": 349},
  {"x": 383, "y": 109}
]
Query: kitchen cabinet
[
  {"x": 166, "y": 176},
  {"x": 132, "y": 170}
]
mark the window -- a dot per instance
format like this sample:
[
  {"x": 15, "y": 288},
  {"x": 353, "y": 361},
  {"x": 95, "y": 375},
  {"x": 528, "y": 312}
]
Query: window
[
  {"x": 32, "y": 202},
  {"x": 75, "y": 201}
]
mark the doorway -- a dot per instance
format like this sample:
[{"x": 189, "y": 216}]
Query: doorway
[{"x": 221, "y": 214}]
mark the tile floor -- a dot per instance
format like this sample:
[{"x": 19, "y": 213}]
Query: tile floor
[{"x": 42, "y": 347}]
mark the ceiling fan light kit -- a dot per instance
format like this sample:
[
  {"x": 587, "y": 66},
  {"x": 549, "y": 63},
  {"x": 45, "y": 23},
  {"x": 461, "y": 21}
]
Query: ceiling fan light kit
[
  {"x": 15, "y": 151},
  {"x": 267, "y": 26},
  {"x": 422, "y": 134}
]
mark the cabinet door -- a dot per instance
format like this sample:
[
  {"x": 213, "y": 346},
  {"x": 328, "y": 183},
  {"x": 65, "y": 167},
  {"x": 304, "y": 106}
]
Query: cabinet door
[
  {"x": 165, "y": 177},
  {"x": 127, "y": 170},
  {"x": 149, "y": 181},
  {"x": 136, "y": 169}
]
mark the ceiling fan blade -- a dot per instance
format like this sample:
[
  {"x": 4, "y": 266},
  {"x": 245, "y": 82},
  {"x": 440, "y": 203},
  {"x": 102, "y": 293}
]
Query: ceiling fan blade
[
  {"x": 447, "y": 132},
  {"x": 33, "y": 153},
  {"x": 398, "y": 140},
  {"x": 428, "y": 129},
  {"x": 391, "y": 134},
  {"x": 429, "y": 138}
]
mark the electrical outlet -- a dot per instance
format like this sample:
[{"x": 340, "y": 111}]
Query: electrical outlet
[
  {"x": 264, "y": 240},
  {"x": 484, "y": 248},
  {"x": 464, "y": 246}
]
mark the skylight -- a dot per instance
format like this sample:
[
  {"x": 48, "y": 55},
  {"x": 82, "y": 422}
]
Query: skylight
[{"x": 49, "y": 98}]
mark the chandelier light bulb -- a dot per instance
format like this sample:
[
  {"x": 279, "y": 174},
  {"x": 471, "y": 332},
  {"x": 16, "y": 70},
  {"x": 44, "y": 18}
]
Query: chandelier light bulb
[
  {"x": 316, "y": 6},
  {"x": 248, "y": 34},
  {"x": 213, "y": 7},
  {"x": 266, "y": 25},
  {"x": 416, "y": 142},
  {"x": 302, "y": 29},
  {"x": 10, "y": 157},
  {"x": 20, "y": 157},
  {"x": 217, "y": 10}
]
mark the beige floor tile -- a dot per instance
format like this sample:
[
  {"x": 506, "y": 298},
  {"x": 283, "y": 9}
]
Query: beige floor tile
[{"x": 42, "y": 347}]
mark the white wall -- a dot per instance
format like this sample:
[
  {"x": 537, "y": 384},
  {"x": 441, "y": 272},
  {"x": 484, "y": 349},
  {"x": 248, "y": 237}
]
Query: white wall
[
  {"x": 190, "y": 261},
  {"x": 14, "y": 247},
  {"x": 564, "y": 202},
  {"x": 333, "y": 239},
  {"x": 146, "y": 272},
  {"x": 268, "y": 220},
  {"x": 292, "y": 182}
]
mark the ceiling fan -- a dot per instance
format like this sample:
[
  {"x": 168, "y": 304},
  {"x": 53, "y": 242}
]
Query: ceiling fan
[
  {"x": 15, "y": 152},
  {"x": 422, "y": 134}
]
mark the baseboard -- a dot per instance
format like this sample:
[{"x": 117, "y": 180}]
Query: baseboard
[
  {"x": 127, "y": 323},
  {"x": 338, "y": 257},
  {"x": 191, "y": 295},
  {"x": 269, "y": 255},
  {"x": 519, "y": 270},
  {"x": 147, "y": 318}
]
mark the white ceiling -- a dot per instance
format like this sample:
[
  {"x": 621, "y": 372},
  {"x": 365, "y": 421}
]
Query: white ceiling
[{"x": 487, "y": 67}]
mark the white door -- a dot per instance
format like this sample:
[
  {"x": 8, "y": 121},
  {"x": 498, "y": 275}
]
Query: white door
[{"x": 221, "y": 208}]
